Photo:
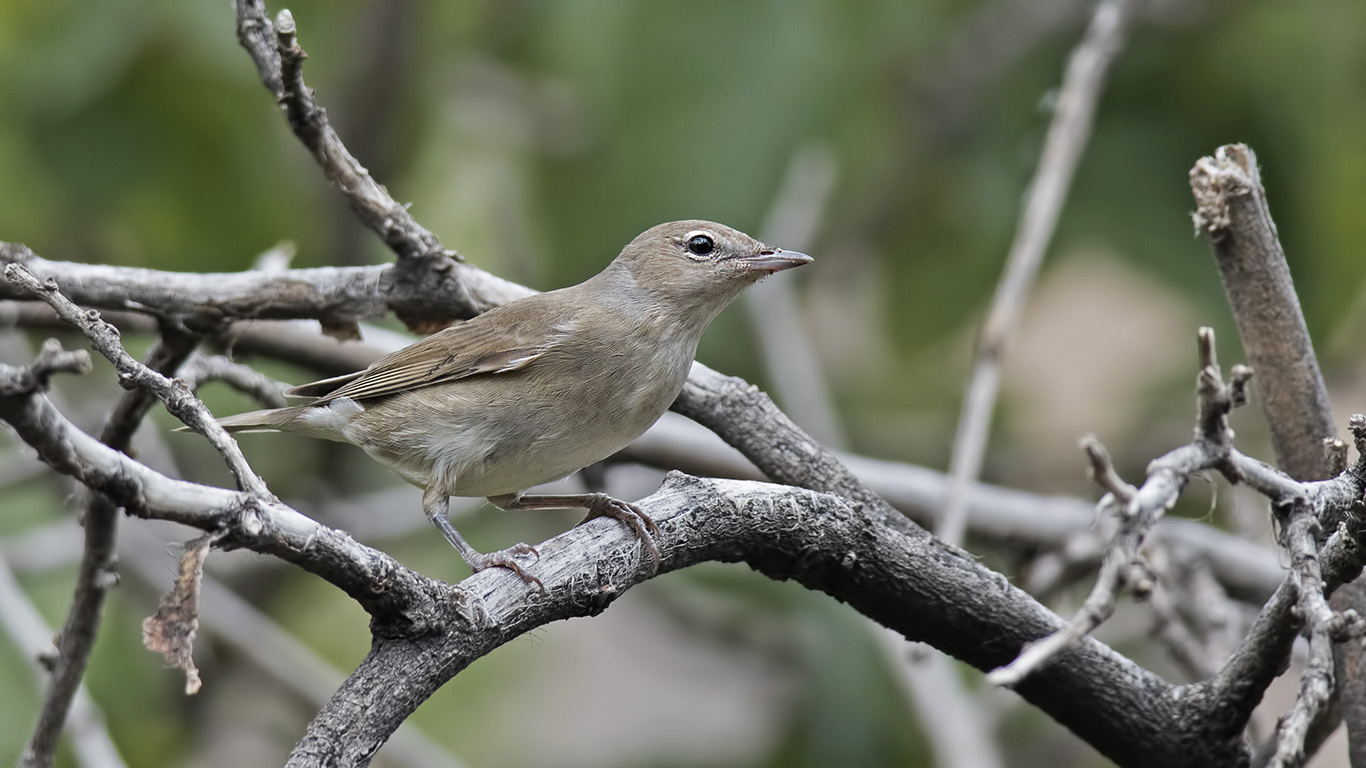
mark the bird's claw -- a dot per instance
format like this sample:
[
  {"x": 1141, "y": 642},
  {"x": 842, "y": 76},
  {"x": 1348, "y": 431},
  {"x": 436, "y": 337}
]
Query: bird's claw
[
  {"x": 640, "y": 523},
  {"x": 505, "y": 559}
]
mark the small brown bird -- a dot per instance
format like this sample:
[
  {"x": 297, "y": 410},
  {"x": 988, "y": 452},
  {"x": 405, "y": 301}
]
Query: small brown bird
[{"x": 541, "y": 387}]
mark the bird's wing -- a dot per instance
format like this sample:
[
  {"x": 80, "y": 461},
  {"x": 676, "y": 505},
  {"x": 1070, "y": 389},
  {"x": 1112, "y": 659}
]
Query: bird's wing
[{"x": 495, "y": 342}]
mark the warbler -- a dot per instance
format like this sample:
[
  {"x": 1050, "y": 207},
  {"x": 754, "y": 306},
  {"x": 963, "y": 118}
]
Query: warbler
[{"x": 541, "y": 387}]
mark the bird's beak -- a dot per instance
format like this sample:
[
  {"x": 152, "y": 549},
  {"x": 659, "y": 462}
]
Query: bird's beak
[{"x": 776, "y": 260}]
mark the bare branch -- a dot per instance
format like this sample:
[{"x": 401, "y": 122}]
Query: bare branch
[
  {"x": 335, "y": 296},
  {"x": 1334, "y": 456},
  {"x": 1140, "y": 510},
  {"x": 1233, "y": 213},
  {"x": 179, "y": 401},
  {"x": 1300, "y": 527},
  {"x": 202, "y": 369},
  {"x": 380, "y": 584},
  {"x": 747, "y": 419},
  {"x": 1066, "y": 140},
  {"x": 1103, "y": 472},
  {"x": 1001, "y": 516},
  {"x": 33, "y": 637},
  {"x": 98, "y": 566},
  {"x": 422, "y": 260},
  {"x": 893, "y": 576}
]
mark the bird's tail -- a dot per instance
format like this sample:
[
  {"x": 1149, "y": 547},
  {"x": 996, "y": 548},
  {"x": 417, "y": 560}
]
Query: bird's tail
[{"x": 271, "y": 420}]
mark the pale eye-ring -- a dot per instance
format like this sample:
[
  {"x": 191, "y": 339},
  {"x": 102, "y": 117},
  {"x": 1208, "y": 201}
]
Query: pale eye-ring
[{"x": 701, "y": 245}]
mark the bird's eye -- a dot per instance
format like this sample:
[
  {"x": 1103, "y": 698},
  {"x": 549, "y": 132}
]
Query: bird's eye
[{"x": 701, "y": 245}]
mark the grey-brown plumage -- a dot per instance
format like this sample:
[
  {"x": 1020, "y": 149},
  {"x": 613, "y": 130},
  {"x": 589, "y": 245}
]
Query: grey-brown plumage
[{"x": 541, "y": 387}]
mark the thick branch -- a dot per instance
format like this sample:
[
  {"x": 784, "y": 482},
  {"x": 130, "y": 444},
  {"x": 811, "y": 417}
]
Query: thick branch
[
  {"x": 905, "y": 580},
  {"x": 336, "y": 296},
  {"x": 745, "y": 417},
  {"x": 1231, "y": 210}
]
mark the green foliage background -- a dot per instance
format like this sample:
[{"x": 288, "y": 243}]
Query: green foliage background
[{"x": 536, "y": 138}]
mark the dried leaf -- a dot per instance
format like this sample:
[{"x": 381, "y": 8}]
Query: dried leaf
[
  {"x": 341, "y": 329},
  {"x": 172, "y": 630}
]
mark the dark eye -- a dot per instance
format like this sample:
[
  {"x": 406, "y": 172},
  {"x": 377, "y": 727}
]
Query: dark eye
[{"x": 701, "y": 245}]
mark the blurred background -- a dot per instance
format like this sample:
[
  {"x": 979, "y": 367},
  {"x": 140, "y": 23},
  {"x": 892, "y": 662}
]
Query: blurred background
[{"x": 537, "y": 138}]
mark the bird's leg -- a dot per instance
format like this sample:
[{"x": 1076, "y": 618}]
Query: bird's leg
[
  {"x": 598, "y": 505},
  {"x": 436, "y": 503}
]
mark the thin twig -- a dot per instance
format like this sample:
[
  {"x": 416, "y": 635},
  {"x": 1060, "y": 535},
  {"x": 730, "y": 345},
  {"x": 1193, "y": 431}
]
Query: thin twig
[
  {"x": 202, "y": 369},
  {"x": 1300, "y": 527},
  {"x": 98, "y": 567},
  {"x": 177, "y": 398},
  {"x": 1063, "y": 147},
  {"x": 259, "y": 522},
  {"x": 794, "y": 372},
  {"x": 1140, "y": 509},
  {"x": 31, "y": 634}
]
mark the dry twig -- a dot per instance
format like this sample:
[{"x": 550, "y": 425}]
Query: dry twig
[
  {"x": 1067, "y": 137},
  {"x": 1140, "y": 508}
]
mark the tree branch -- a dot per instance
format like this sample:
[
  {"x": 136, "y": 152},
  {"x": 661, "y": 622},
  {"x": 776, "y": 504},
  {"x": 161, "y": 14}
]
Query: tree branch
[
  {"x": 33, "y": 637},
  {"x": 1063, "y": 146},
  {"x": 1299, "y": 534},
  {"x": 1001, "y": 516},
  {"x": 1139, "y": 510},
  {"x": 423, "y": 262},
  {"x": 1233, "y": 213},
  {"x": 904, "y": 579},
  {"x": 98, "y": 567},
  {"x": 336, "y": 296},
  {"x": 385, "y": 588}
]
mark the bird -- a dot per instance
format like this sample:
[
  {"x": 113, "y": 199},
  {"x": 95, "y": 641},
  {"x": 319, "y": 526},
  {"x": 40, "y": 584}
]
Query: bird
[{"x": 536, "y": 389}]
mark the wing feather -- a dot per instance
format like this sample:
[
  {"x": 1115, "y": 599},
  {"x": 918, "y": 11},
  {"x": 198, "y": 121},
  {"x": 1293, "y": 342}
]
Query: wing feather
[{"x": 502, "y": 340}]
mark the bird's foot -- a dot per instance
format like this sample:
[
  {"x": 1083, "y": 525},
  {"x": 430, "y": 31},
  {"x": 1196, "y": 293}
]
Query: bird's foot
[
  {"x": 505, "y": 558},
  {"x": 602, "y": 505}
]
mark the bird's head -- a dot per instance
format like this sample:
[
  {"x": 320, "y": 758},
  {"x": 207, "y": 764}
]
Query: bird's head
[{"x": 702, "y": 264}]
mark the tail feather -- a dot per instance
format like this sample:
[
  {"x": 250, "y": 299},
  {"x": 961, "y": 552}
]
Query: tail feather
[
  {"x": 272, "y": 420},
  {"x": 327, "y": 421}
]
